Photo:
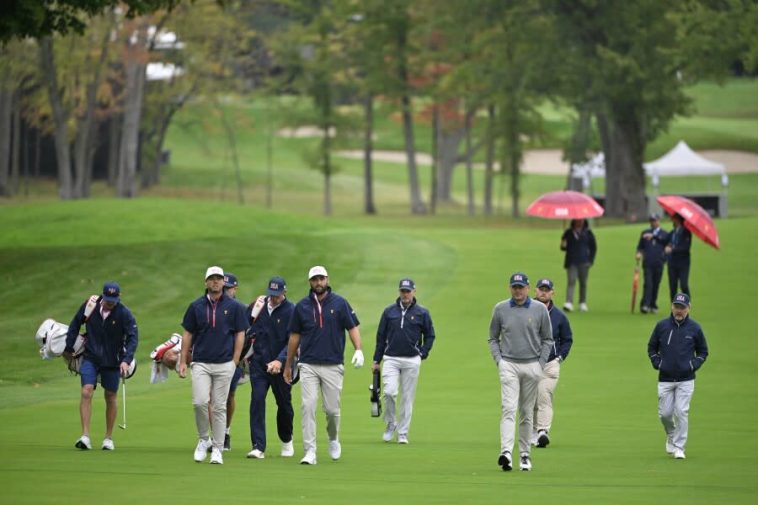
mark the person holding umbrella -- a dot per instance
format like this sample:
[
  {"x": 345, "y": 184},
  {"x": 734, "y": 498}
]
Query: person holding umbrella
[
  {"x": 579, "y": 243},
  {"x": 678, "y": 250},
  {"x": 651, "y": 249}
]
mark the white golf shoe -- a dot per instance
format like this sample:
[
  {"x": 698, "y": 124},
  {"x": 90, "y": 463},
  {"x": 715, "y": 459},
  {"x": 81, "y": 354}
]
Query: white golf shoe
[
  {"x": 288, "y": 450},
  {"x": 83, "y": 443},
  {"x": 309, "y": 458},
  {"x": 583, "y": 307},
  {"x": 217, "y": 458},
  {"x": 335, "y": 449},
  {"x": 108, "y": 444},
  {"x": 525, "y": 463},
  {"x": 389, "y": 432},
  {"x": 670, "y": 447},
  {"x": 255, "y": 454},
  {"x": 505, "y": 461},
  {"x": 402, "y": 439},
  {"x": 679, "y": 454},
  {"x": 201, "y": 451},
  {"x": 568, "y": 306}
]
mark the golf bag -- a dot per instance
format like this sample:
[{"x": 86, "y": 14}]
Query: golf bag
[
  {"x": 51, "y": 339},
  {"x": 376, "y": 389}
]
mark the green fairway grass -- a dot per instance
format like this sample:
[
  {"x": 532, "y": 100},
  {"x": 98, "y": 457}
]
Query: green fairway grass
[{"x": 607, "y": 442}]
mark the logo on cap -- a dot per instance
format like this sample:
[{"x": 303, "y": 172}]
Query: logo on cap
[
  {"x": 682, "y": 299},
  {"x": 407, "y": 285},
  {"x": 519, "y": 279}
]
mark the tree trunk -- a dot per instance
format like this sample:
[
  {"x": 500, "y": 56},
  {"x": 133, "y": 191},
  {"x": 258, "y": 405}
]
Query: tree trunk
[
  {"x": 435, "y": 159},
  {"x": 625, "y": 174},
  {"x": 469, "y": 165},
  {"x": 135, "y": 63},
  {"x": 489, "y": 168},
  {"x": 62, "y": 145},
  {"x": 114, "y": 143},
  {"x": 368, "y": 148},
  {"x": 449, "y": 141},
  {"x": 16, "y": 144},
  {"x": 6, "y": 133},
  {"x": 327, "y": 164},
  {"x": 417, "y": 204},
  {"x": 579, "y": 144},
  {"x": 84, "y": 145}
]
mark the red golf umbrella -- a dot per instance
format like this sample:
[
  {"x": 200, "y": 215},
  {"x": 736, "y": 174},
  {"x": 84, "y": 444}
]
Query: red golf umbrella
[
  {"x": 696, "y": 219},
  {"x": 565, "y": 205}
]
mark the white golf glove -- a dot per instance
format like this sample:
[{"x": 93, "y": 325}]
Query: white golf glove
[{"x": 357, "y": 360}]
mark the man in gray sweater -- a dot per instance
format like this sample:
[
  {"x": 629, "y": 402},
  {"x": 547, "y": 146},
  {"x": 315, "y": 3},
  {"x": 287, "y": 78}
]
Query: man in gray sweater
[{"x": 520, "y": 340}]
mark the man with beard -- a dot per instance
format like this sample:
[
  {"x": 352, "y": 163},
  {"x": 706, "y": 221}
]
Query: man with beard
[
  {"x": 562, "y": 340},
  {"x": 318, "y": 328}
]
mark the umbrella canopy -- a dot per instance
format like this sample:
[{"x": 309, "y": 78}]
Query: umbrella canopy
[
  {"x": 565, "y": 205},
  {"x": 696, "y": 219}
]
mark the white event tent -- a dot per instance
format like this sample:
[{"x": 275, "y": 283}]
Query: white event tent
[{"x": 679, "y": 161}]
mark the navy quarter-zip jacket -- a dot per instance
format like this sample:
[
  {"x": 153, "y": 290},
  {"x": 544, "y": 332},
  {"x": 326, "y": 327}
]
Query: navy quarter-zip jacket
[
  {"x": 109, "y": 342},
  {"x": 406, "y": 334},
  {"x": 213, "y": 327},
  {"x": 676, "y": 349}
]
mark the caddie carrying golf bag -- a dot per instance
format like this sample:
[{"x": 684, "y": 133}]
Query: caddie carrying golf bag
[
  {"x": 51, "y": 339},
  {"x": 376, "y": 389}
]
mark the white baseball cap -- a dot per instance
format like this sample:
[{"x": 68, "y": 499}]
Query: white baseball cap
[
  {"x": 317, "y": 270},
  {"x": 214, "y": 271}
]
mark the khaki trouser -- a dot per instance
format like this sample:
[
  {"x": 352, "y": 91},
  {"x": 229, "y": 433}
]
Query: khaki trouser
[
  {"x": 328, "y": 379},
  {"x": 400, "y": 374},
  {"x": 210, "y": 383},
  {"x": 518, "y": 389},
  {"x": 543, "y": 408}
]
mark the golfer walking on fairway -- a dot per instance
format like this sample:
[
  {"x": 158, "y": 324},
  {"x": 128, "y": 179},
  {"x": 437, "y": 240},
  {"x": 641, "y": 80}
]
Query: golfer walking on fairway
[
  {"x": 318, "y": 328},
  {"x": 677, "y": 348},
  {"x": 520, "y": 341},
  {"x": 562, "y": 341},
  {"x": 111, "y": 341},
  {"x": 404, "y": 338},
  {"x": 214, "y": 329}
]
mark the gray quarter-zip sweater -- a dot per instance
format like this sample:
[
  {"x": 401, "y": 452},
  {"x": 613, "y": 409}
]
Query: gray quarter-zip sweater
[{"x": 520, "y": 333}]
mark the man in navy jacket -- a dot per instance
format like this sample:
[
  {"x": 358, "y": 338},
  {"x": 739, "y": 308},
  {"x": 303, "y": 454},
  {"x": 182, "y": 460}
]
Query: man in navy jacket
[
  {"x": 677, "y": 348},
  {"x": 404, "y": 338},
  {"x": 318, "y": 328},
  {"x": 111, "y": 341},
  {"x": 678, "y": 249},
  {"x": 270, "y": 331},
  {"x": 651, "y": 249},
  {"x": 214, "y": 329},
  {"x": 562, "y": 341}
]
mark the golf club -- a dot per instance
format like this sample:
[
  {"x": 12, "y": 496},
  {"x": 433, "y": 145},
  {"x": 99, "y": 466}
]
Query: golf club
[{"x": 123, "y": 392}]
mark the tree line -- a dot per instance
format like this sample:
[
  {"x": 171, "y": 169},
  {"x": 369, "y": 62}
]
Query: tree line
[{"x": 476, "y": 70}]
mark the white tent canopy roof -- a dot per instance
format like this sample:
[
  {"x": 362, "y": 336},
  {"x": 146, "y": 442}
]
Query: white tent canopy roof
[
  {"x": 679, "y": 161},
  {"x": 682, "y": 160}
]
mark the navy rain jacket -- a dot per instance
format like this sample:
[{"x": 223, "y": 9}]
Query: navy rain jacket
[
  {"x": 562, "y": 336},
  {"x": 109, "y": 342},
  {"x": 676, "y": 349},
  {"x": 407, "y": 335}
]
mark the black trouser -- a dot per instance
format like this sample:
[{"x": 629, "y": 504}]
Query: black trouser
[
  {"x": 260, "y": 381},
  {"x": 653, "y": 275},
  {"x": 679, "y": 273}
]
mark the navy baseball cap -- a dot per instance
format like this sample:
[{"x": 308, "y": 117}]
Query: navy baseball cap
[
  {"x": 111, "y": 292},
  {"x": 276, "y": 286},
  {"x": 230, "y": 280},
  {"x": 407, "y": 285},
  {"x": 545, "y": 283},
  {"x": 519, "y": 279},
  {"x": 681, "y": 299}
]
